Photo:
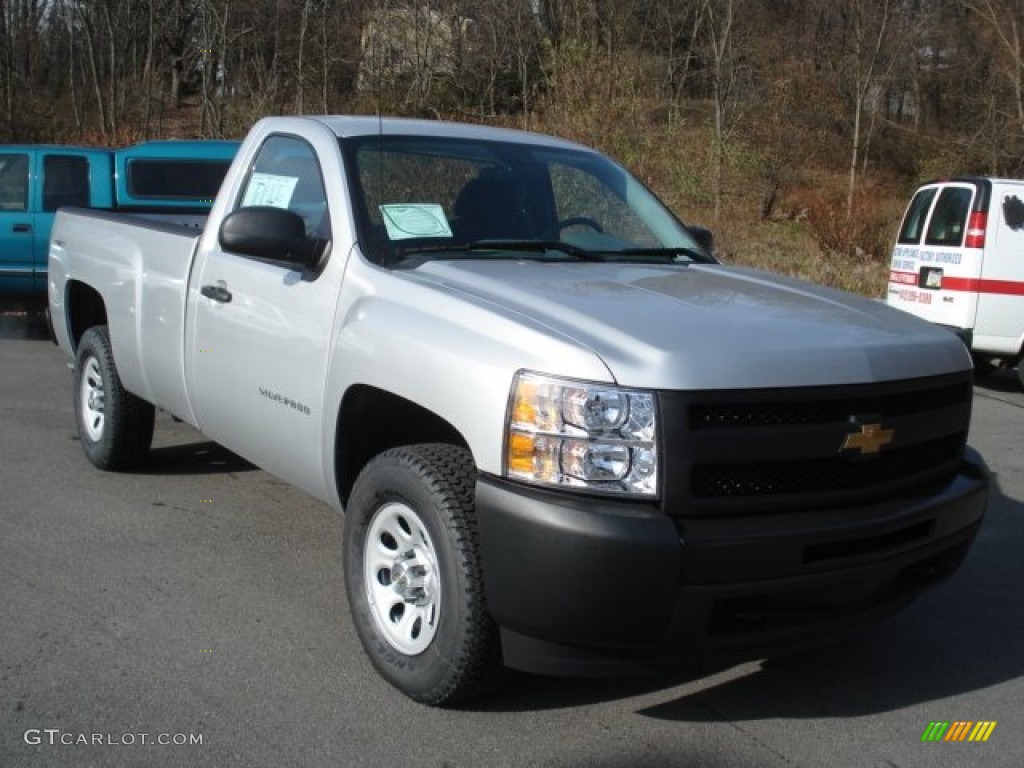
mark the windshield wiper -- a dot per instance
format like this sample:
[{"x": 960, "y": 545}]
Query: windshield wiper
[
  {"x": 694, "y": 254},
  {"x": 536, "y": 246},
  {"x": 419, "y": 253},
  {"x": 539, "y": 246}
]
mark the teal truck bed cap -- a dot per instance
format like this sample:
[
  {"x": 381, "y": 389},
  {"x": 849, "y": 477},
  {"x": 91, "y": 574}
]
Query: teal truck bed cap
[{"x": 171, "y": 174}]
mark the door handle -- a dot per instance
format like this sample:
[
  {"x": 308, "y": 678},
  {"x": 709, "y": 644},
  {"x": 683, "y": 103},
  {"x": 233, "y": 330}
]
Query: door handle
[
  {"x": 21, "y": 227},
  {"x": 217, "y": 293}
]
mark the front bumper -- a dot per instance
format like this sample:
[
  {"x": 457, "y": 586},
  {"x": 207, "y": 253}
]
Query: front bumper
[{"x": 583, "y": 585}]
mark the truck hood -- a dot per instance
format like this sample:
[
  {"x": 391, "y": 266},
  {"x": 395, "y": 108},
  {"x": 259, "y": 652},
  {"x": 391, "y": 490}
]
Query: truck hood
[{"x": 707, "y": 326}]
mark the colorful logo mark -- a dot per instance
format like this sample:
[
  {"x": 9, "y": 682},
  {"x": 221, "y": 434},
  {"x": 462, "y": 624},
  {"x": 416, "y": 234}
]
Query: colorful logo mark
[{"x": 959, "y": 730}]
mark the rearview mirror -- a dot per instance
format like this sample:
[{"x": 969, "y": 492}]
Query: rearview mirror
[{"x": 273, "y": 234}]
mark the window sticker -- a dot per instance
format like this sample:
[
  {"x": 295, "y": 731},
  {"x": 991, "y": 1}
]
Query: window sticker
[
  {"x": 408, "y": 220},
  {"x": 270, "y": 189}
]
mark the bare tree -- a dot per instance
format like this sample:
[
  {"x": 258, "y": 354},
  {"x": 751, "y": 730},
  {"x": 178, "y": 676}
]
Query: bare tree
[
  {"x": 721, "y": 34},
  {"x": 865, "y": 29},
  {"x": 1004, "y": 19}
]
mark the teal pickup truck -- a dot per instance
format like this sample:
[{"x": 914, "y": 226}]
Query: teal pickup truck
[{"x": 178, "y": 177}]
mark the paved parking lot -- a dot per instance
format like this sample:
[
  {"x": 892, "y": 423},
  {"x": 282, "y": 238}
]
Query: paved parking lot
[{"x": 200, "y": 600}]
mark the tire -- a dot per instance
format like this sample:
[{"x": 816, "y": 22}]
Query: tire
[
  {"x": 413, "y": 576},
  {"x": 984, "y": 366},
  {"x": 114, "y": 426}
]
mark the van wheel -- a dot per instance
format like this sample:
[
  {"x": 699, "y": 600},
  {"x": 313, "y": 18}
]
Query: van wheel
[
  {"x": 413, "y": 576},
  {"x": 115, "y": 427},
  {"x": 984, "y": 366}
]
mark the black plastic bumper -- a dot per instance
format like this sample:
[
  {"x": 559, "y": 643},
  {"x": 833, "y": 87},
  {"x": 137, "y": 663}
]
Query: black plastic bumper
[{"x": 583, "y": 585}]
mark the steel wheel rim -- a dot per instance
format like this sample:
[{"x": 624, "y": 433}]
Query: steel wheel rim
[
  {"x": 92, "y": 399},
  {"x": 403, "y": 586}
]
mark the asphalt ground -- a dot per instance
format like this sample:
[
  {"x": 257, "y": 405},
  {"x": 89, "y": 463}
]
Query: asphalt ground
[{"x": 199, "y": 600}]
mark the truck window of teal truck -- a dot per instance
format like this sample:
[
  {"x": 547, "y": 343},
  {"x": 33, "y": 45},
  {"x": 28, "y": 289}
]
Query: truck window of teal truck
[
  {"x": 13, "y": 182},
  {"x": 175, "y": 178},
  {"x": 65, "y": 182}
]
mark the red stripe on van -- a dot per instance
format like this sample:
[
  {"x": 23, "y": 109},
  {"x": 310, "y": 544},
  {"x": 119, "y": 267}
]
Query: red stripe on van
[
  {"x": 977, "y": 285},
  {"x": 903, "y": 278}
]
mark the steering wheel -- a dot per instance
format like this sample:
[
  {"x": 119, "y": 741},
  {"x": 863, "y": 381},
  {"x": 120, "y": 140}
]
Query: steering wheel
[{"x": 579, "y": 221}]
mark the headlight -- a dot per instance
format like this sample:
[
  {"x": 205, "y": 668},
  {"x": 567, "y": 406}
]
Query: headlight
[{"x": 582, "y": 435}]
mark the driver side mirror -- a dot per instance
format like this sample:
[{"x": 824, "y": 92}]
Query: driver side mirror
[
  {"x": 270, "y": 234},
  {"x": 704, "y": 237}
]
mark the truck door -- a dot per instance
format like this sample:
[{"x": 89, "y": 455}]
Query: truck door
[
  {"x": 16, "y": 235},
  {"x": 260, "y": 337}
]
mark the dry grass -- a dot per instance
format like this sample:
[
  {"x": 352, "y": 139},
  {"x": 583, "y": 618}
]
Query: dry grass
[{"x": 790, "y": 248}]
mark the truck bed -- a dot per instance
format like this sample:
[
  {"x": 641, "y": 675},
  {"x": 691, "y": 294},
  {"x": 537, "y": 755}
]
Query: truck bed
[{"x": 114, "y": 251}]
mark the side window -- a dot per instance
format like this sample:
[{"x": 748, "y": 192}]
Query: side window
[
  {"x": 65, "y": 181},
  {"x": 949, "y": 219},
  {"x": 913, "y": 221},
  {"x": 176, "y": 179},
  {"x": 286, "y": 175},
  {"x": 1013, "y": 212},
  {"x": 13, "y": 182}
]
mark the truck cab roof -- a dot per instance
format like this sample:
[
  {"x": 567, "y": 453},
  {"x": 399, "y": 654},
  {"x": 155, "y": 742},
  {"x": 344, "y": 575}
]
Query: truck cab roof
[{"x": 351, "y": 126}]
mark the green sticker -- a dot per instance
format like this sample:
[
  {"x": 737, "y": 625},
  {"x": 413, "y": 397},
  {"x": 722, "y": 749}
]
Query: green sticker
[{"x": 408, "y": 220}]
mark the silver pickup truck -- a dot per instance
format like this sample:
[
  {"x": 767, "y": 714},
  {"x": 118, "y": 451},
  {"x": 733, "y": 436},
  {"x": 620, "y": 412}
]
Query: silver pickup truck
[{"x": 563, "y": 437}]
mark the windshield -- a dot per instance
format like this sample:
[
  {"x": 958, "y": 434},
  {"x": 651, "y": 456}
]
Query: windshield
[{"x": 427, "y": 197}]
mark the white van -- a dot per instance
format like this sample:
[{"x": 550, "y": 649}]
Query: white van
[{"x": 959, "y": 262}]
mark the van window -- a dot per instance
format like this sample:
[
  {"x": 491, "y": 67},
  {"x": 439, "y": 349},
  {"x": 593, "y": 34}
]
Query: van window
[
  {"x": 66, "y": 181},
  {"x": 13, "y": 182},
  {"x": 1013, "y": 212},
  {"x": 949, "y": 219},
  {"x": 913, "y": 222}
]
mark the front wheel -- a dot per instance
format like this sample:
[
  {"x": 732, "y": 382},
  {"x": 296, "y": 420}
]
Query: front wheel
[
  {"x": 114, "y": 426},
  {"x": 412, "y": 572}
]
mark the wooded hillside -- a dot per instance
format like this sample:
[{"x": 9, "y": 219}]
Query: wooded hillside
[{"x": 739, "y": 111}]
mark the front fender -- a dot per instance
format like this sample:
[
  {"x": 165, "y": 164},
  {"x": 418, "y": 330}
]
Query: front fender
[{"x": 449, "y": 352}]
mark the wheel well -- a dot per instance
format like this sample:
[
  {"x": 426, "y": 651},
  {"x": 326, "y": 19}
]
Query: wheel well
[
  {"x": 372, "y": 420},
  {"x": 85, "y": 308}
]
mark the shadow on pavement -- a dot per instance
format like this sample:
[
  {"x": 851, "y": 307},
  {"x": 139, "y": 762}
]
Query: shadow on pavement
[
  {"x": 1002, "y": 380},
  {"x": 203, "y": 458},
  {"x": 22, "y": 324}
]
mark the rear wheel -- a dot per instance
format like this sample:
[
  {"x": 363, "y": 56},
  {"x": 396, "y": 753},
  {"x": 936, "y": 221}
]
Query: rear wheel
[
  {"x": 984, "y": 366},
  {"x": 115, "y": 427},
  {"x": 412, "y": 573}
]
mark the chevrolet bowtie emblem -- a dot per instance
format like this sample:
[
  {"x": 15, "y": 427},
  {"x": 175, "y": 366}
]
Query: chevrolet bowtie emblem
[{"x": 869, "y": 440}]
